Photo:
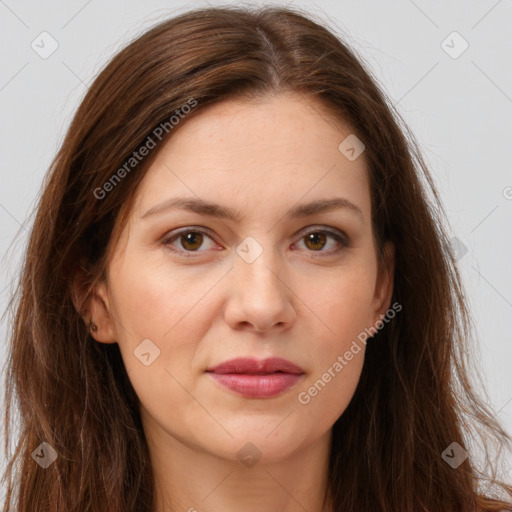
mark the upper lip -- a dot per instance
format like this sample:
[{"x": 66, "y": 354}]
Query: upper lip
[{"x": 255, "y": 366}]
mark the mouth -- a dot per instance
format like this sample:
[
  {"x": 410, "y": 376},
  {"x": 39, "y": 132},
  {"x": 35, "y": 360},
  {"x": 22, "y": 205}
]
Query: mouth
[{"x": 254, "y": 378}]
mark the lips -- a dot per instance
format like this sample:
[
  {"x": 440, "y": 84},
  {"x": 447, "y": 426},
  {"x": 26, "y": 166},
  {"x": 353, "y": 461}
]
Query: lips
[
  {"x": 257, "y": 378},
  {"x": 253, "y": 366}
]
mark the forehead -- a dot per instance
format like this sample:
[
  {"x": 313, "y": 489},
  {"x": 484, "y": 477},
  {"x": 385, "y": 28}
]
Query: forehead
[{"x": 257, "y": 156}]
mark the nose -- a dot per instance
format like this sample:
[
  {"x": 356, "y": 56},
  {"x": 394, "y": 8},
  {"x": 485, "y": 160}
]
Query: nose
[{"x": 260, "y": 300}]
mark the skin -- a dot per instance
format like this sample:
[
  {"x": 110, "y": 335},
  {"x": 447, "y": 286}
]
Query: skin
[{"x": 260, "y": 158}]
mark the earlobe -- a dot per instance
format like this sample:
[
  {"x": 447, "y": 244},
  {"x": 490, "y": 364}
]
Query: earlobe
[
  {"x": 92, "y": 304},
  {"x": 100, "y": 316}
]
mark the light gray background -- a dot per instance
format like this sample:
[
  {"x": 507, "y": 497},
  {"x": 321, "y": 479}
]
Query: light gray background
[{"x": 459, "y": 109}]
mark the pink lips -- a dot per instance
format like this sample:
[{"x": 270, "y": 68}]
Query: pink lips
[{"x": 257, "y": 379}]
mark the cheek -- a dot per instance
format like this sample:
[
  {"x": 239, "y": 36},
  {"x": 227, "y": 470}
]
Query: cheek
[
  {"x": 339, "y": 351},
  {"x": 326, "y": 395},
  {"x": 342, "y": 301},
  {"x": 172, "y": 310},
  {"x": 155, "y": 301},
  {"x": 152, "y": 305}
]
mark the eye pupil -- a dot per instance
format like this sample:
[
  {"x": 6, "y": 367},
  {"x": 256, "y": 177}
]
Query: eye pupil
[
  {"x": 315, "y": 238},
  {"x": 191, "y": 237}
]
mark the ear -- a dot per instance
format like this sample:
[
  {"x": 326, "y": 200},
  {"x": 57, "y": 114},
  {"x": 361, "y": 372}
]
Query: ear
[
  {"x": 384, "y": 283},
  {"x": 92, "y": 304}
]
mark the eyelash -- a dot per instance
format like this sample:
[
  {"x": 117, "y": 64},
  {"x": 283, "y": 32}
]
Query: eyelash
[{"x": 341, "y": 239}]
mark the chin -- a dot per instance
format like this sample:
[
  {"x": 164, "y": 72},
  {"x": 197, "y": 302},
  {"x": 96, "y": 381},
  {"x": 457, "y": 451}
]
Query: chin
[{"x": 261, "y": 441}]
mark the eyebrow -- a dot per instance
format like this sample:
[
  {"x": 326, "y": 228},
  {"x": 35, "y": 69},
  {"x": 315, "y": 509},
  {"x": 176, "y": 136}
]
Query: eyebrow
[{"x": 207, "y": 208}]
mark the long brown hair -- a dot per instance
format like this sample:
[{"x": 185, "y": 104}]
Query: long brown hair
[{"x": 414, "y": 398}]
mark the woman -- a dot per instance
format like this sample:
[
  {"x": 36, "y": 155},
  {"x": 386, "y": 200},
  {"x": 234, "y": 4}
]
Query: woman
[{"x": 237, "y": 293}]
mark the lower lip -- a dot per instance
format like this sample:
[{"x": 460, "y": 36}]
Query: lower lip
[{"x": 257, "y": 386}]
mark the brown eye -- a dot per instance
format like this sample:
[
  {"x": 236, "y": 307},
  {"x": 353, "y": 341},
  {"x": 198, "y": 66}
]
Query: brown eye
[
  {"x": 191, "y": 240},
  {"x": 316, "y": 240}
]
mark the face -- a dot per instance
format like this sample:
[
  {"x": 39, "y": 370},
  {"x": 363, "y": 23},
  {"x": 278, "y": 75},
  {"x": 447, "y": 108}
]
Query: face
[{"x": 258, "y": 276}]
